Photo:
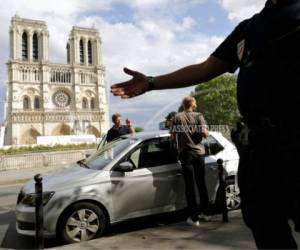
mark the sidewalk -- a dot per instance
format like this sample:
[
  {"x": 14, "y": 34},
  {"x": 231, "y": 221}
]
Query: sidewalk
[
  {"x": 23, "y": 175},
  {"x": 210, "y": 235}
]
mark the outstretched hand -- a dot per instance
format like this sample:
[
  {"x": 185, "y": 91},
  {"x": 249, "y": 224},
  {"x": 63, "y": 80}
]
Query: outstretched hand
[{"x": 138, "y": 85}]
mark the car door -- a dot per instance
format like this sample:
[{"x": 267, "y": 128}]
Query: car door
[
  {"x": 213, "y": 148},
  {"x": 151, "y": 186}
]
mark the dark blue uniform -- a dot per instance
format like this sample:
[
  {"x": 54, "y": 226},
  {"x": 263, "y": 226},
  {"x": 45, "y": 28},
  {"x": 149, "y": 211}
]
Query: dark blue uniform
[{"x": 266, "y": 49}]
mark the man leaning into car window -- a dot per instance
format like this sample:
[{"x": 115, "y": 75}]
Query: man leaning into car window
[{"x": 188, "y": 129}]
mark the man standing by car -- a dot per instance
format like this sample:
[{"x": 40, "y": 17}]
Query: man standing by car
[
  {"x": 118, "y": 129},
  {"x": 188, "y": 129}
]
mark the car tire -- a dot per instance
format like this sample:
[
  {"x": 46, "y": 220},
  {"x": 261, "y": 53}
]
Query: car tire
[
  {"x": 81, "y": 222},
  {"x": 233, "y": 198}
]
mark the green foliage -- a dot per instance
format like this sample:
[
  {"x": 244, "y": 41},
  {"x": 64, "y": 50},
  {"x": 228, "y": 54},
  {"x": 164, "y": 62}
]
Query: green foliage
[
  {"x": 45, "y": 148},
  {"x": 138, "y": 129},
  {"x": 216, "y": 100}
]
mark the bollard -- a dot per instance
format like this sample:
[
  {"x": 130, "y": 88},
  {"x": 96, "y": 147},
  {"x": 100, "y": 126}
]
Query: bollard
[
  {"x": 222, "y": 190},
  {"x": 39, "y": 216}
]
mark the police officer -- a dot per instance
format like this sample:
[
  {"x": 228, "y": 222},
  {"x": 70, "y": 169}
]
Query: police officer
[{"x": 266, "y": 49}]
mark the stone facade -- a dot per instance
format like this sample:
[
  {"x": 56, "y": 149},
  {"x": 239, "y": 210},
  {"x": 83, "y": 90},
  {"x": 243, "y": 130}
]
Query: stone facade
[{"x": 44, "y": 98}]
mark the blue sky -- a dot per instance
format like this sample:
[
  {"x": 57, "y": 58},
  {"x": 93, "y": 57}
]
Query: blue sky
[{"x": 152, "y": 36}]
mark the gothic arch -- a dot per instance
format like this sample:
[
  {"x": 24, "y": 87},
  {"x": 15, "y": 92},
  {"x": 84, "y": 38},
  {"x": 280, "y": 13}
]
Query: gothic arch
[
  {"x": 90, "y": 93},
  {"x": 37, "y": 102},
  {"x": 90, "y": 52},
  {"x": 62, "y": 129},
  {"x": 24, "y": 45},
  {"x": 29, "y": 136},
  {"x": 30, "y": 91},
  {"x": 68, "y": 53},
  {"x": 93, "y": 103},
  {"x": 94, "y": 131},
  {"x": 85, "y": 104},
  {"x": 26, "y": 102},
  {"x": 35, "y": 46},
  {"x": 81, "y": 51}
]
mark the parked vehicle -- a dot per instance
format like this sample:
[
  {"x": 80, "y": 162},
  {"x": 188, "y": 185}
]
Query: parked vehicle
[{"x": 133, "y": 176}]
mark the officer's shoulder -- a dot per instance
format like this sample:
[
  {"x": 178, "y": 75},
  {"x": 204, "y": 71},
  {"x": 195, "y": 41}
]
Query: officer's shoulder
[{"x": 243, "y": 24}]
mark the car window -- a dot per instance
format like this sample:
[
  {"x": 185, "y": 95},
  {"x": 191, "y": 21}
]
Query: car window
[
  {"x": 153, "y": 153},
  {"x": 212, "y": 146},
  {"x": 135, "y": 156},
  {"x": 102, "y": 142},
  {"x": 109, "y": 152}
]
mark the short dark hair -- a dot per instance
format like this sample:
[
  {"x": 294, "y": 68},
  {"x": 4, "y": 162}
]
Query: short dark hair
[
  {"x": 171, "y": 115},
  {"x": 115, "y": 116}
]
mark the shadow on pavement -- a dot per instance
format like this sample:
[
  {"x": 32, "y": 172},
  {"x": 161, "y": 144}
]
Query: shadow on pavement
[
  {"x": 147, "y": 222},
  {"x": 13, "y": 240}
]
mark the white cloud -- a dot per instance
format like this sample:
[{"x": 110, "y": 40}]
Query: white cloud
[
  {"x": 151, "y": 45},
  {"x": 239, "y": 10}
]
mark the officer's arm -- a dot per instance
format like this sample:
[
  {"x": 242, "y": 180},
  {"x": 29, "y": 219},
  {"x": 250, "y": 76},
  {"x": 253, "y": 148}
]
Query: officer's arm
[
  {"x": 192, "y": 75},
  {"x": 185, "y": 77}
]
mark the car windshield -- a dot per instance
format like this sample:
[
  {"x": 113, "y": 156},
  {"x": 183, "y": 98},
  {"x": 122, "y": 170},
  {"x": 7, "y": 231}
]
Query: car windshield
[{"x": 106, "y": 154}]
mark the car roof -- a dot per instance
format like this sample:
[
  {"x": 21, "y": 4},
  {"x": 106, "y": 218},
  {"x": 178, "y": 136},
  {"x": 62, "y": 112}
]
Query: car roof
[
  {"x": 159, "y": 133},
  {"x": 147, "y": 135}
]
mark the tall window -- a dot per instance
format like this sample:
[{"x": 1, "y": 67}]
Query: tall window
[
  {"x": 68, "y": 53},
  {"x": 90, "y": 52},
  {"x": 81, "y": 51},
  {"x": 26, "y": 103},
  {"x": 24, "y": 46},
  {"x": 84, "y": 103},
  {"x": 37, "y": 103},
  {"x": 36, "y": 75},
  {"x": 93, "y": 103},
  {"x": 35, "y": 47}
]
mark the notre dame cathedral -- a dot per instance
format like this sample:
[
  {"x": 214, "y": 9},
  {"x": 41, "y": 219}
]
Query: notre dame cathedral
[{"x": 46, "y": 99}]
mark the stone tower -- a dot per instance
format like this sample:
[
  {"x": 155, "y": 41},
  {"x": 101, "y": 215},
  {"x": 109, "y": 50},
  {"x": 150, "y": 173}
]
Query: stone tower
[{"x": 46, "y": 99}]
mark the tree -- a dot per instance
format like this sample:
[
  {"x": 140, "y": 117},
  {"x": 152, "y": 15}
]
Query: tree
[
  {"x": 216, "y": 100},
  {"x": 138, "y": 129}
]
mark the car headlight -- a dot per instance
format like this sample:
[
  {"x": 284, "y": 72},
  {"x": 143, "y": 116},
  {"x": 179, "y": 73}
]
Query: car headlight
[{"x": 29, "y": 199}]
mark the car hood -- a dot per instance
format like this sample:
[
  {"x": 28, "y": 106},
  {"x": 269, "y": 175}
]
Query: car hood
[{"x": 67, "y": 177}]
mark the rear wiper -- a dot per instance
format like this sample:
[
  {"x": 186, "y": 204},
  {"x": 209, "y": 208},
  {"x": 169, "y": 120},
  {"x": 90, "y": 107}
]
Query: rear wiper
[{"x": 82, "y": 164}]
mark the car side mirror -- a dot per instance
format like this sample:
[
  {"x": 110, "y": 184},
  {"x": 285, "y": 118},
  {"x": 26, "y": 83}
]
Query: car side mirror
[{"x": 125, "y": 167}]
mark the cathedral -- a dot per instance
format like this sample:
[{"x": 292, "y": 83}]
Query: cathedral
[{"x": 50, "y": 99}]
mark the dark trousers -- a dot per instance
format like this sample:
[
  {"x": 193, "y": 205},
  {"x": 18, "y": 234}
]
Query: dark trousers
[
  {"x": 193, "y": 169},
  {"x": 269, "y": 182}
]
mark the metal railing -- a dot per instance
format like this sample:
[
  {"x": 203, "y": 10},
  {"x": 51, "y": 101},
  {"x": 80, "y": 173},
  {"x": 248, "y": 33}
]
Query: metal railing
[{"x": 45, "y": 159}]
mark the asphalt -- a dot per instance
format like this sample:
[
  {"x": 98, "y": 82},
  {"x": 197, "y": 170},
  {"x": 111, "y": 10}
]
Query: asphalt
[
  {"x": 154, "y": 232},
  {"x": 23, "y": 175},
  {"x": 178, "y": 235}
]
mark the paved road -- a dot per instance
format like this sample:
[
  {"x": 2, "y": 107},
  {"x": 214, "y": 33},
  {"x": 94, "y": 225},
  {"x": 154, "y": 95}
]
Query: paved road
[
  {"x": 9, "y": 238},
  {"x": 140, "y": 233}
]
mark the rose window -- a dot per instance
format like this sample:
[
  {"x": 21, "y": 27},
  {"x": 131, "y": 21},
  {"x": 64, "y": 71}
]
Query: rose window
[{"x": 61, "y": 99}]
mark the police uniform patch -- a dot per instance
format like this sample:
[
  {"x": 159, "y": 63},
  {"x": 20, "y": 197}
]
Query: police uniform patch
[{"x": 241, "y": 49}]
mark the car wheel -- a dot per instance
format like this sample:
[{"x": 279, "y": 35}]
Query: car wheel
[
  {"x": 81, "y": 222},
  {"x": 233, "y": 198}
]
